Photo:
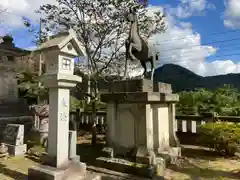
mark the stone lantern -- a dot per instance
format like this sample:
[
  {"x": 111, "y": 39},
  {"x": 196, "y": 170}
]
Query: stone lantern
[{"x": 59, "y": 53}]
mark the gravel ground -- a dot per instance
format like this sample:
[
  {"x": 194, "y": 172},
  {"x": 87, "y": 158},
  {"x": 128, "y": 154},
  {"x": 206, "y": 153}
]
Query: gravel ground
[
  {"x": 196, "y": 164},
  {"x": 17, "y": 168},
  {"x": 188, "y": 168}
]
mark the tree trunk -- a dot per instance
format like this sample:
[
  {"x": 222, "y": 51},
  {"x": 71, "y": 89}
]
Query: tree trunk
[
  {"x": 94, "y": 128},
  {"x": 94, "y": 112}
]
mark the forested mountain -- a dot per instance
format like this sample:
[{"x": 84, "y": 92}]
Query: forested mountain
[{"x": 184, "y": 79}]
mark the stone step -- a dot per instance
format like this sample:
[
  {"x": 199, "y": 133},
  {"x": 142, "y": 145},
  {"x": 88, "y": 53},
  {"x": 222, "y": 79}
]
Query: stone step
[
  {"x": 93, "y": 177},
  {"x": 13, "y": 114},
  {"x": 14, "y": 109},
  {"x": 88, "y": 177},
  {"x": 75, "y": 171},
  {"x": 171, "y": 156}
]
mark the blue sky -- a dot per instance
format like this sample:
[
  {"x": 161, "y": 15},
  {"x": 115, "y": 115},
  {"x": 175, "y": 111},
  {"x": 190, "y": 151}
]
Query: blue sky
[
  {"x": 210, "y": 20},
  {"x": 211, "y": 17},
  {"x": 209, "y": 23}
]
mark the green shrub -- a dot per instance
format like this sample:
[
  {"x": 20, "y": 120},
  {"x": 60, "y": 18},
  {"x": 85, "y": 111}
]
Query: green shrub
[
  {"x": 76, "y": 104},
  {"x": 222, "y": 136}
]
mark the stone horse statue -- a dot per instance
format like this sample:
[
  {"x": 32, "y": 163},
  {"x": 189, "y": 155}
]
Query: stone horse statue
[{"x": 137, "y": 48}]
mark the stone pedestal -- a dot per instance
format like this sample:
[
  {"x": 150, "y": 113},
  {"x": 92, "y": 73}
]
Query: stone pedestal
[
  {"x": 14, "y": 139},
  {"x": 3, "y": 150},
  {"x": 17, "y": 150},
  {"x": 73, "y": 146},
  {"x": 140, "y": 120},
  {"x": 75, "y": 170}
]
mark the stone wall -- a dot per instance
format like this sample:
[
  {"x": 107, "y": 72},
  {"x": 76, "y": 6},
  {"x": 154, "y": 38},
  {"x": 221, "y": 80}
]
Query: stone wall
[
  {"x": 8, "y": 86},
  {"x": 29, "y": 62}
]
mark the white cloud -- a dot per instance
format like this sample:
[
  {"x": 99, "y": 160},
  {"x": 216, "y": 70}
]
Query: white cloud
[
  {"x": 232, "y": 14},
  {"x": 188, "y": 8},
  {"x": 180, "y": 45},
  {"x": 16, "y": 9},
  {"x": 188, "y": 51}
]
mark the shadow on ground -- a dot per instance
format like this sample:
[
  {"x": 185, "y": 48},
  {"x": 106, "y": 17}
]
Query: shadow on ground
[
  {"x": 12, "y": 173},
  {"x": 195, "y": 171},
  {"x": 199, "y": 152},
  {"x": 88, "y": 153},
  {"x": 122, "y": 178},
  {"x": 193, "y": 154},
  {"x": 34, "y": 158}
]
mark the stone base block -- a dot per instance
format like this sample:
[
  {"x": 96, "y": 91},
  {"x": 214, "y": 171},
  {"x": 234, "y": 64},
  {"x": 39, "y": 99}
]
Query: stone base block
[
  {"x": 160, "y": 166},
  {"x": 3, "y": 155},
  {"x": 125, "y": 166},
  {"x": 139, "y": 85},
  {"x": 108, "y": 152},
  {"x": 75, "y": 159},
  {"x": 93, "y": 177},
  {"x": 18, "y": 150},
  {"x": 172, "y": 155},
  {"x": 51, "y": 161},
  {"x": 145, "y": 156},
  {"x": 74, "y": 171},
  {"x": 140, "y": 97}
]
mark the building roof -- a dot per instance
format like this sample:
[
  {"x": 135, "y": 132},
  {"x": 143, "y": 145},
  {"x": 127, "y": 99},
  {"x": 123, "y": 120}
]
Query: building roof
[
  {"x": 59, "y": 40},
  {"x": 7, "y": 47},
  {"x": 54, "y": 41}
]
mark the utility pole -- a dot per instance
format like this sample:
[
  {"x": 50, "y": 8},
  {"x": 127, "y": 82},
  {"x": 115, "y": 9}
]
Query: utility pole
[{"x": 40, "y": 57}]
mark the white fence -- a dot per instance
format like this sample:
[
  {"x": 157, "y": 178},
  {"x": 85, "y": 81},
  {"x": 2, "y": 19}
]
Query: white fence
[{"x": 184, "y": 123}]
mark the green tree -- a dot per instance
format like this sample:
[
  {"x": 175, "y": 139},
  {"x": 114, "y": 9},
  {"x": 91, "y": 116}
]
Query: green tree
[
  {"x": 77, "y": 104},
  {"x": 224, "y": 101},
  {"x": 28, "y": 87},
  {"x": 194, "y": 101},
  {"x": 225, "y": 98}
]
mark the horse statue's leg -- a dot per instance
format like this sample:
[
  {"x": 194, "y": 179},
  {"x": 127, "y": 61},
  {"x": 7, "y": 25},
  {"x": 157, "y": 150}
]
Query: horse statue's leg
[
  {"x": 125, "y": 69},
  {"x": 153, "y": 65},
  {"x": 152, "y": 73},
  {"x": 132, "y": 57},
  {"x": 127, "y": 44},
  {"x": 145, "y": 68}
]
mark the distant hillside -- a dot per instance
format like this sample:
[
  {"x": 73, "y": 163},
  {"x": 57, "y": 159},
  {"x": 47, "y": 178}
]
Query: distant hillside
[{"x": 184, "y": 79}]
